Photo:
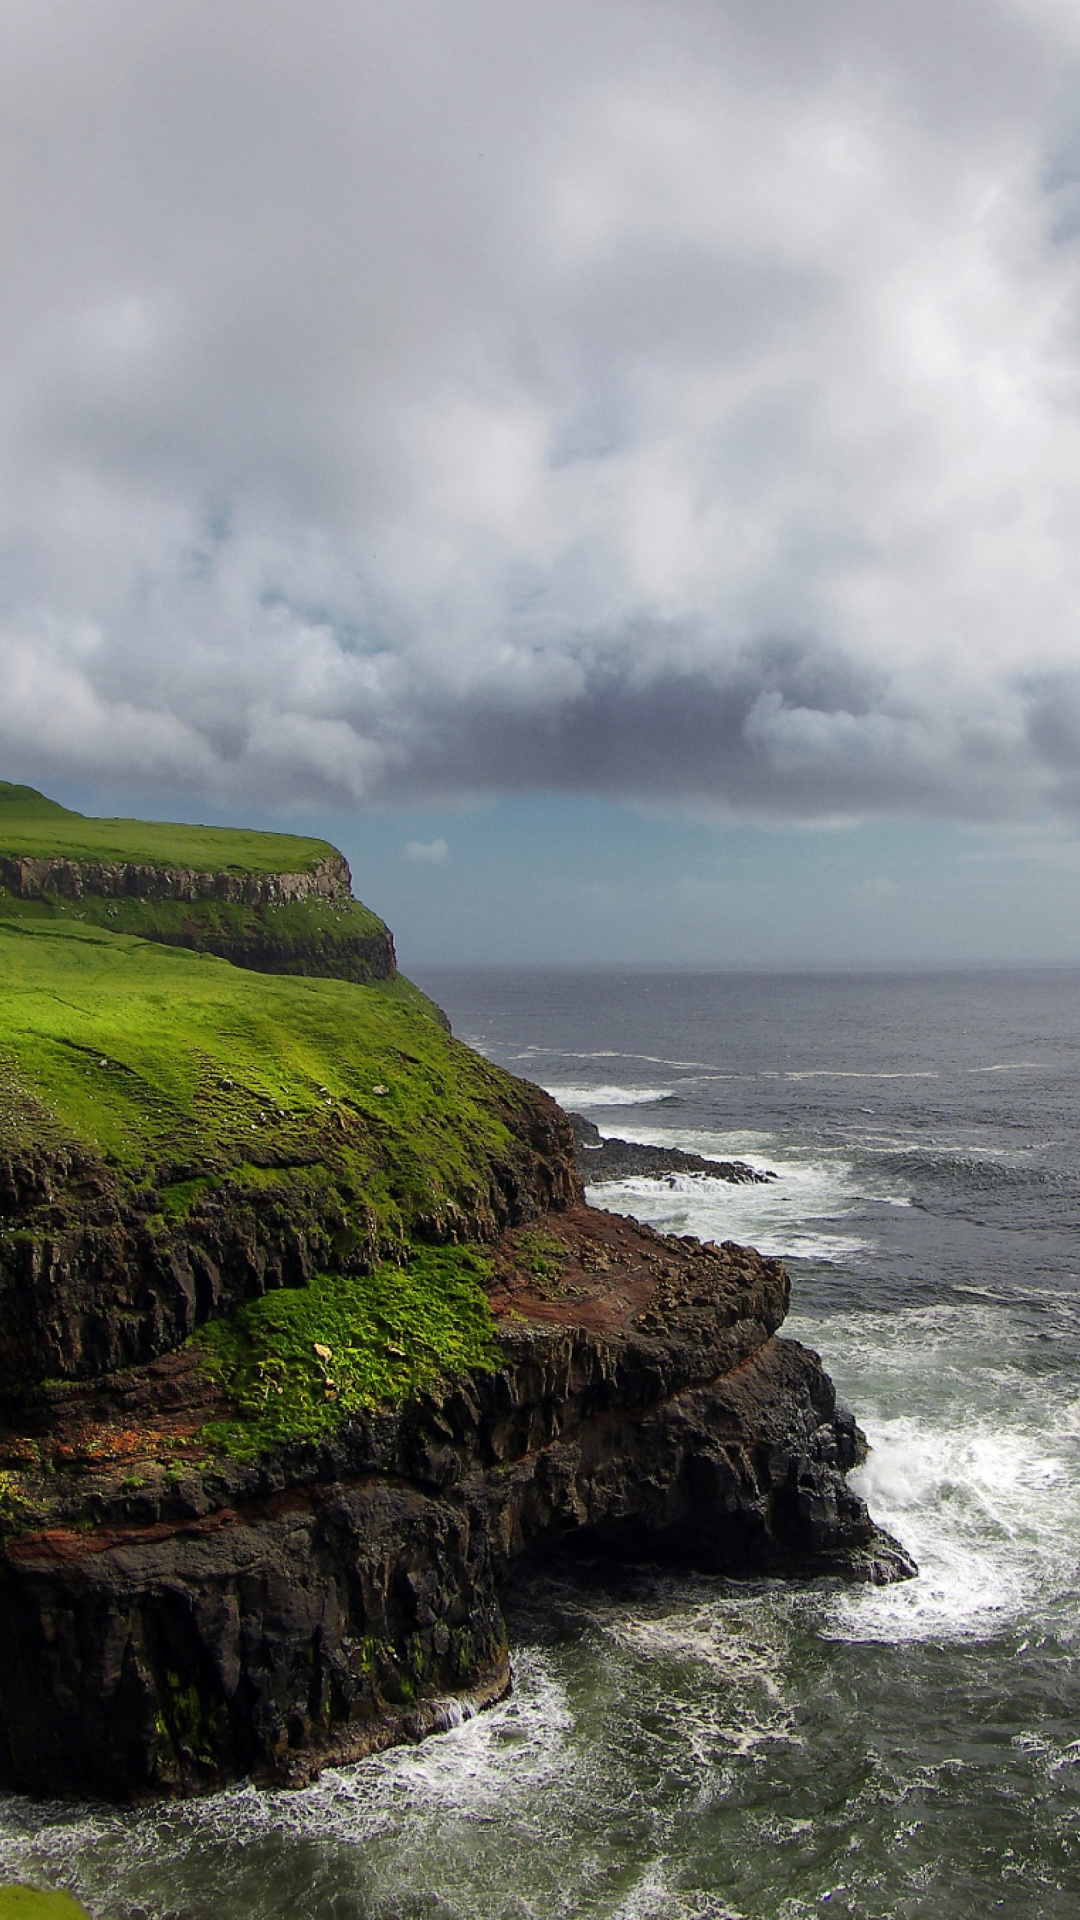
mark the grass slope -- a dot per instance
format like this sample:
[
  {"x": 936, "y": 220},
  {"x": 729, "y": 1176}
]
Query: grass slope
[
  {"x": 33, "y": 826},
  {"x": 319, "y": 1110},
  {"x": 303, "y": 937},
  {"x": 177, "y": 1066},
  {"x": 192, "y": 1081}
]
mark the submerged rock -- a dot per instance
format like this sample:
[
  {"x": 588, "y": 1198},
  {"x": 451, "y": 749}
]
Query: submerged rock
[{"x": 600, "y": 1159}]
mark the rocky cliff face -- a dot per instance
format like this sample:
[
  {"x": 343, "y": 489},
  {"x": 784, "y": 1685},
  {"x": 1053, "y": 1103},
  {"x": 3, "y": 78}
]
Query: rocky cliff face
[
  {"x": 316, "y": 1605},
  {"x": 307, "y": 1335},
  {"x": 296, "y": 923},
  {"x": 94, "y": 1276},
  {"x": 30, "y": 878}
]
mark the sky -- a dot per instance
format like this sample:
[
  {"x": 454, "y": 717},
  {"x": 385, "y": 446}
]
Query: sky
[{"x": 611, "y": 465}]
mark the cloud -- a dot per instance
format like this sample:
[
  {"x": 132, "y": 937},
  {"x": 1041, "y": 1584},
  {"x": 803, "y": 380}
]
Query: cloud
[
  {"x": 432, "y": 852},
  {"x": 676, "y": 404}
]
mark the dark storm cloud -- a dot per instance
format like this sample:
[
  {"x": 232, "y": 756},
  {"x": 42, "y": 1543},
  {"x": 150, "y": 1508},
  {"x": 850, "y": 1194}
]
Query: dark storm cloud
[{"x": 679, "y": 403}]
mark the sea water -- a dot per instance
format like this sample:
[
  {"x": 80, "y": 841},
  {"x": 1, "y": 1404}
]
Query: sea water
[{"x": 680, "y": 1746}]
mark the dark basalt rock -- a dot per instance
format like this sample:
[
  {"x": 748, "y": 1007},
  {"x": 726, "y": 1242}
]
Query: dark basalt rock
[
  {"x": 601, "y": 1159},
  {"x": 265, "y": 1619},
  {"x": 32, "y": 878}
]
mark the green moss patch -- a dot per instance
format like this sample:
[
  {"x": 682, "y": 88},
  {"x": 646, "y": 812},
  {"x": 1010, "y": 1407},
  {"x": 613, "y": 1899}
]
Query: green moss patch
[
  {"x": 28, "y": 1903},
  {"x": 296, "y": 1364},
  {"x": 541, "y": 1253}
]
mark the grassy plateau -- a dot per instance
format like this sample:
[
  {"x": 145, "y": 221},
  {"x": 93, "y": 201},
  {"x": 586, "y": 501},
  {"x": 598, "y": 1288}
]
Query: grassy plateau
[
  {"x": 200, "y": 1089},
  {"x": 34, "y": 827}
]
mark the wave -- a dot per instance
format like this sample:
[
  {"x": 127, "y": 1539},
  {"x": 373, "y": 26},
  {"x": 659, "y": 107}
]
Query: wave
[
  {"x": 973, "y": 1416},
  {"x": 1012, "y": 1066},
  {"x": 849, "y": 1073},
  {"x": 612, "y": 1053},
  {"x": 608, "y": 1096},
  {"x": 799, "y": 1216}
]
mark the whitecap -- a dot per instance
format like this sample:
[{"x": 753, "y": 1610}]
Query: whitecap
[{"x": 608, "y": 1096}]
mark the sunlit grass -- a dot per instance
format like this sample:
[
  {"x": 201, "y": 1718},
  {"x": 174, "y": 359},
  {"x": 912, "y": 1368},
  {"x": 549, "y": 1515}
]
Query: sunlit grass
[
  {"x": 296, "y": 1364},
  {"x": 35, "y": 827}
]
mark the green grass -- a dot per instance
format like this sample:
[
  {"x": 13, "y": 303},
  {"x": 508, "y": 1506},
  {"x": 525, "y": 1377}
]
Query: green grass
[
  {"x": 296, "y": 1364},
  {"x": 300, "y": 937},
  {"x": 144, "y": 1082},
  {"x": 173, "y": 922},
  {"x": 541, "y": 1253},
  {"x": 32, "y": 826},
  {"x": 178, "y": 1067},
  {"x": 28, "y": 1903}
]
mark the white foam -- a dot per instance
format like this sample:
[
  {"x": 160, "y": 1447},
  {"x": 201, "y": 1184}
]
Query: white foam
[
  {"x": 577, "y": 1097},
  {"x": 611, "y": 1053},
  {"x": 974, "y": 1463},
  {"x": 1012, "y": 1066},
  {"x": 798, "y": 1215},
  {"x": 850, "y": 1073}
]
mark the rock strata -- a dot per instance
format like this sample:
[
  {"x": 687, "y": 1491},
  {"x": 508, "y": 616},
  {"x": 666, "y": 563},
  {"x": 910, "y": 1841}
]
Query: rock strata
[
  {"x": 94, "y": 1276},
  {"x": 30, "y": 878},
  {"x": 610, "y": 1158},
  {"x": 317, "y": 1605}
]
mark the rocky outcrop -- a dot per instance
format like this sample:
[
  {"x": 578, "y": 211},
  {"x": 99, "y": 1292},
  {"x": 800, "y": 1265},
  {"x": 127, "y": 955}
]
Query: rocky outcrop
[
  {"x": 263, "y": 947},
  {"x": 95, "y": 1276},
  {"x": 267, "y": 1619},
  {"x": 305, "y": 923},
  {"x": 196, "y": 1588},
  {"x": 30, "y": 878},
  {"x": 600, "y": 1159}
]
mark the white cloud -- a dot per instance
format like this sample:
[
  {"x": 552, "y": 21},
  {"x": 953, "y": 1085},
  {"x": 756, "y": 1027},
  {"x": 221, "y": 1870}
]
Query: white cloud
[
  {"x": 680, "y": 403},
  {"x": 431, "y": 852}
]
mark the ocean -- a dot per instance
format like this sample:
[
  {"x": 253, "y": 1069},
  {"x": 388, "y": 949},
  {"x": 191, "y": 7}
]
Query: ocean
[{"x": 679, "y": 1746}]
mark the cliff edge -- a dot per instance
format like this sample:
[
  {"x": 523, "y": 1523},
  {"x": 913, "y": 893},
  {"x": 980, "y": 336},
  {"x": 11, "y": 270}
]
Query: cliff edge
[
  {"x": 273, "y": 902},
  {"x": 306, "y": 1333}
]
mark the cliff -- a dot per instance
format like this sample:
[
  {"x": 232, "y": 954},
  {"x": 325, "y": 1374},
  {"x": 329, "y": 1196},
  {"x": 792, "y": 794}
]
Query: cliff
[
  {"x": 306, "y": 1334},
  {"x": 274, "y": 903}
]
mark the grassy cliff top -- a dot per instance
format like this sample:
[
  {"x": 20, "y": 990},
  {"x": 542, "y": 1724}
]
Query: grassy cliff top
[
  {"x": 172, "y": 1064},
  {"x": 201, "y": 1106},
  {"x": 34, "y": 827},
  {"x": 280, "y": 1123}
]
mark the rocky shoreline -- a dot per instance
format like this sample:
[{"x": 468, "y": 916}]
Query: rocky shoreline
[
  {"x": 603, "y": 1158},
  {"x": 313, "y": 1606},
  {"x": 307, "y": 1335}
]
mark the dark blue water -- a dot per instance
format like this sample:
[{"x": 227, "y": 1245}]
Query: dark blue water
[{"x": 683, "y": 1747}]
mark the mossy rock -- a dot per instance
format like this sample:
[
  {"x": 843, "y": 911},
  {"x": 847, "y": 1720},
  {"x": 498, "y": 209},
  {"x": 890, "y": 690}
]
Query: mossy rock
[{"x": 29, "y": 1903}]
